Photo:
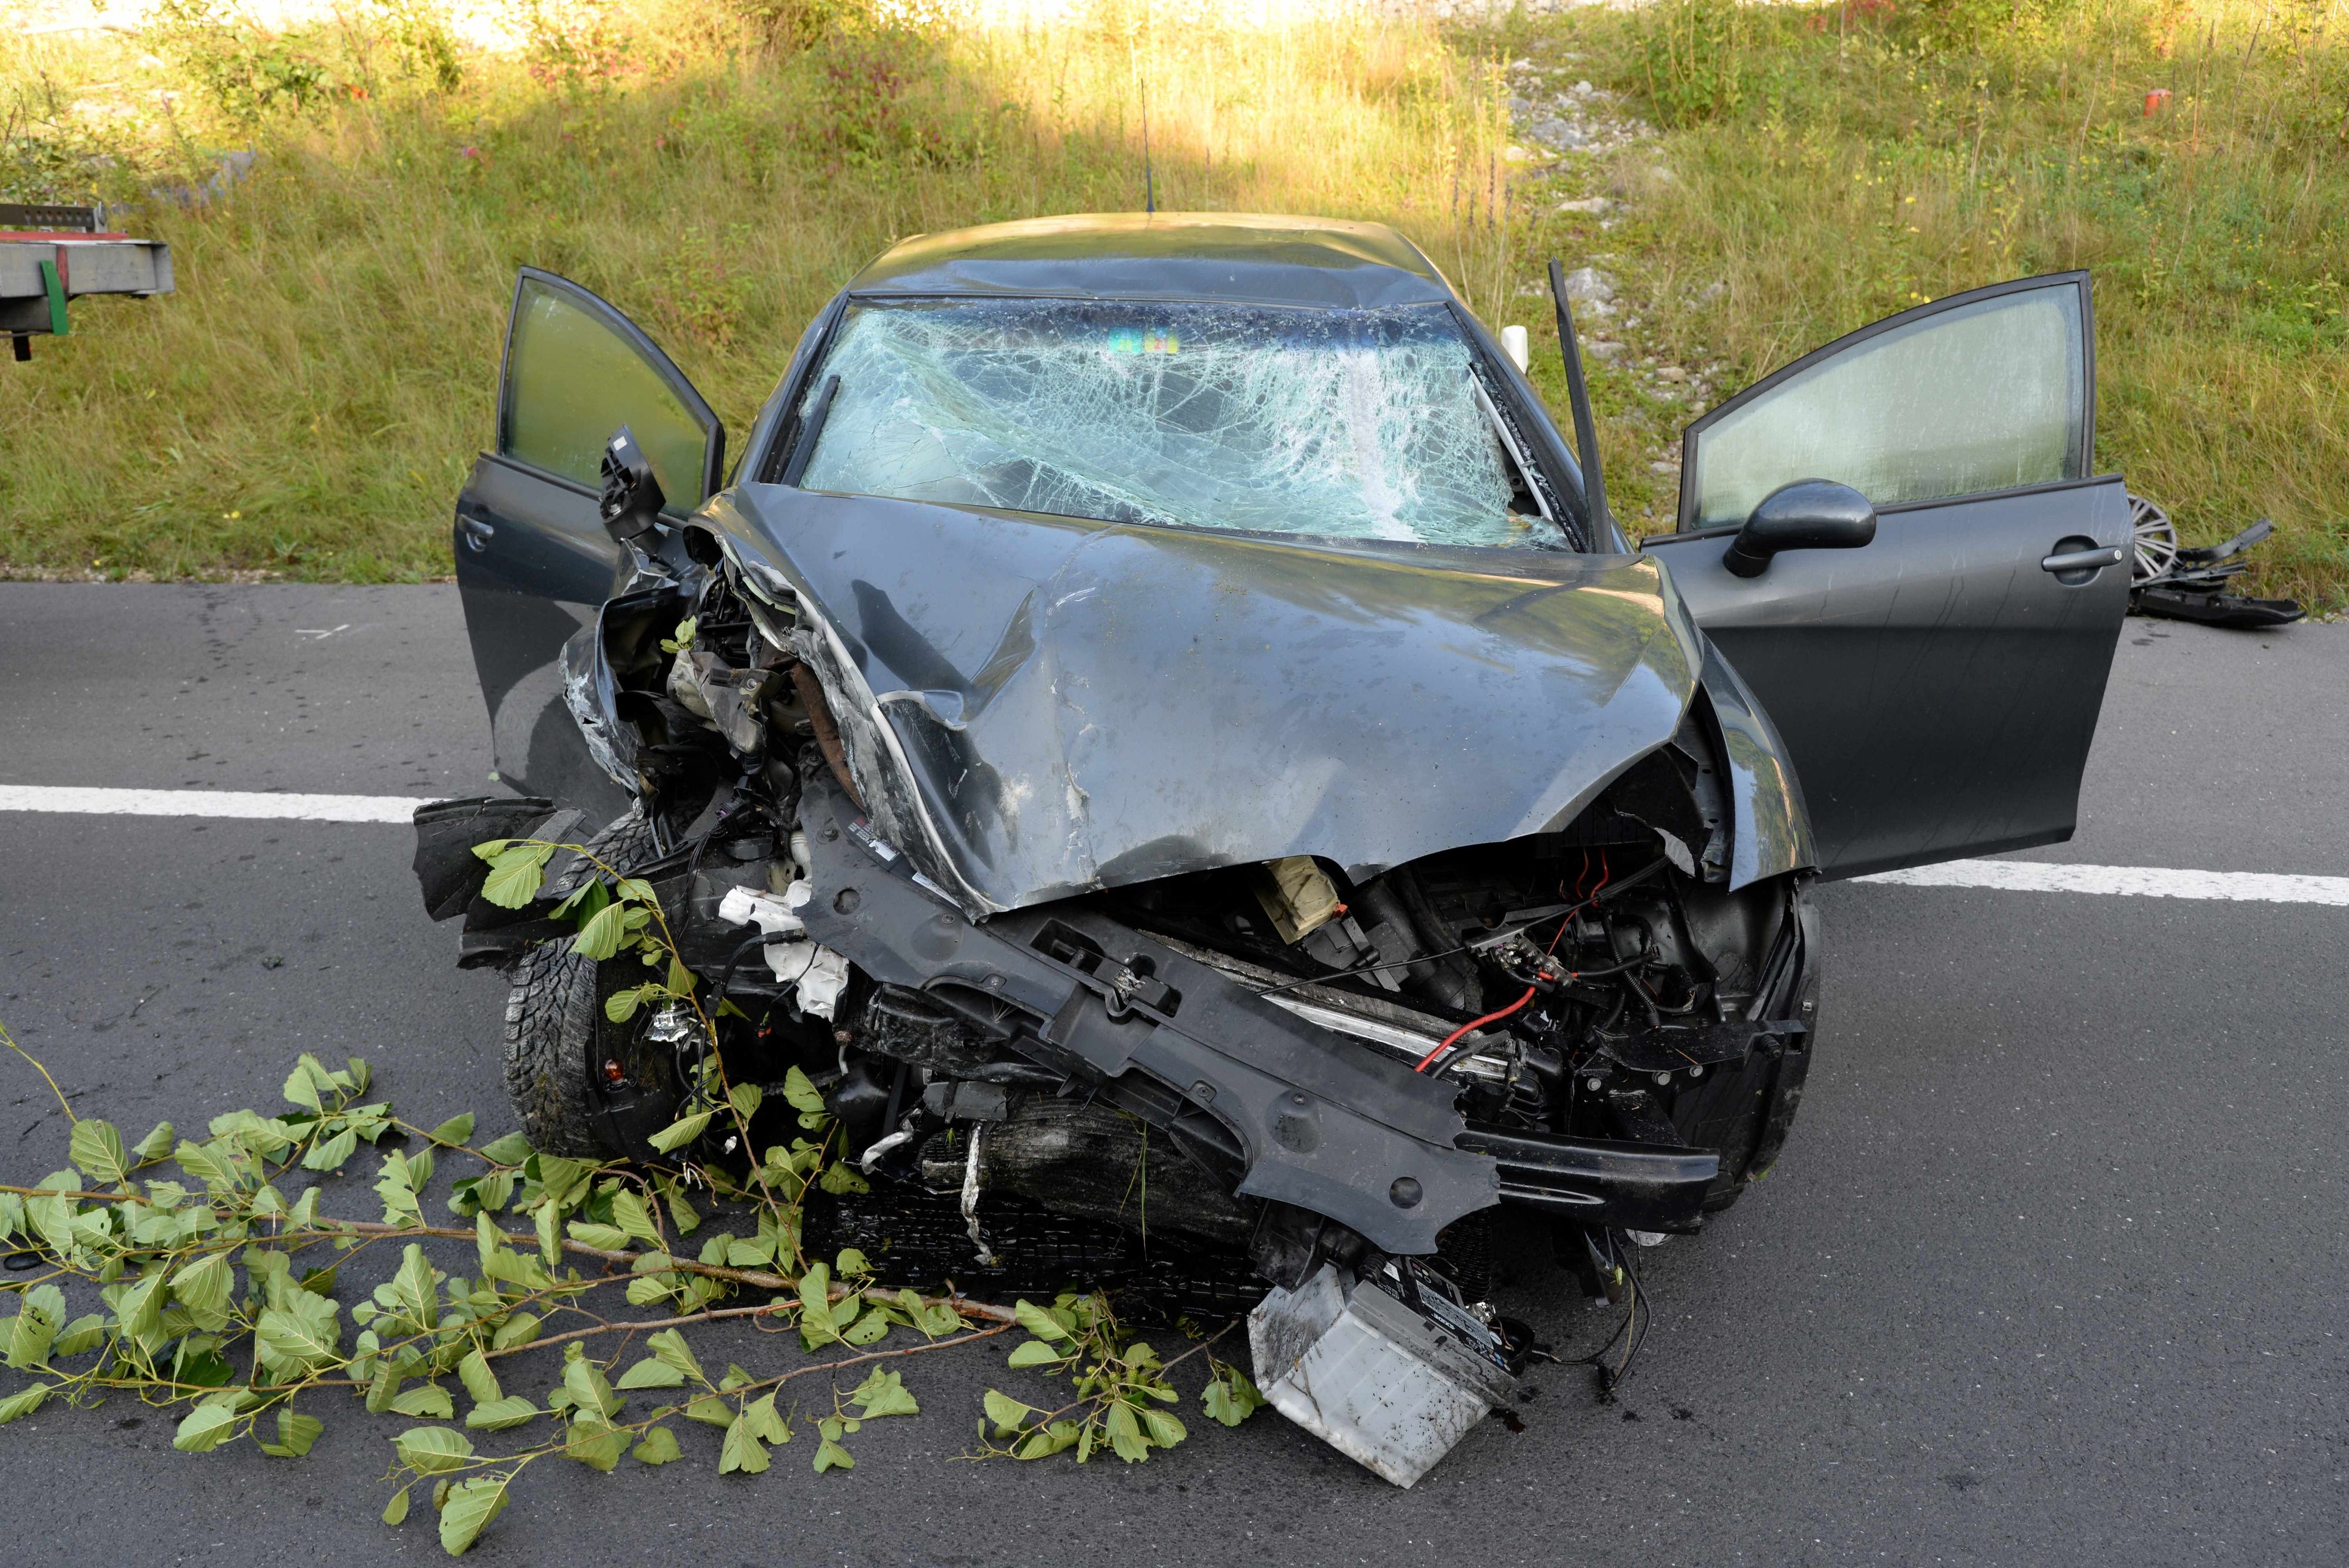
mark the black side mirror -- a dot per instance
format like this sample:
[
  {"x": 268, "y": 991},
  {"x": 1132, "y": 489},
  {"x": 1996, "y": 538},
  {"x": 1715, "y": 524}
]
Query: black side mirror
[
  {"x": 1808, "y": 514},
  {"x": 632, "y": 498}
]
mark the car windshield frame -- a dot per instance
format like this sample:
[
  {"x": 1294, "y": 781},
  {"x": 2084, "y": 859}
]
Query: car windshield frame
[{"x": 1521, "y": 429}]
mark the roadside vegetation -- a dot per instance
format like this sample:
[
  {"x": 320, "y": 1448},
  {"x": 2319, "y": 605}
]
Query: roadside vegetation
[{"x": 1764, "y": 177}]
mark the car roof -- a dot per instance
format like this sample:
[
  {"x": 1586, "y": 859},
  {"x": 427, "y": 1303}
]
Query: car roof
[{"x": 1241, "y": 257}]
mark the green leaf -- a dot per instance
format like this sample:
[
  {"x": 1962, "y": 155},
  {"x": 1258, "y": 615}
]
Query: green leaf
[
  {"x": 301, "y": 1335},
  {"x": 600, "y": 938},
  {"x": 204, "y": 1287},
  {"x": 866, "y": 1330},
  {"x": 516, "y": 873},
  {"x": 550, "y": 1237},
  {"x": 746, "y": 1098},
  {"x": 838, "y": 1179},
  {"x": 710, "y": 1410},
  {"x": 1125, "y": 1434},
  {"x": 589, "y": 1388},
  {"x": 1008, "y": 1414},
  {"x": 454, "y": 1132},
  {"x": 621, "y": 1005},
  {"x": 764, "y": 1422},
  {"x": 397, "y": 1509},
  {"x": 205, "y": 1427},
  {"x": 680, "y": 1132},
  {"x": 510, "y": 1149},
  {"x": 206, "y": 1165},
  {"x": 1035, "y": 1353},
  {"x": 670, "y": 1347},
  {"x": 610, "y": 1238},
  {"x": 295, "y": 1434},
  {"x": 86, "y": 1333},
  {"x": 803, "y": 1096},
  {"x": 831, "y": 1456},
  {"x": 479, "y": 1382},
  {"x": 1055, "y": 1438},
  {"x": 304, "y": 1084},
  {"x": 415, "y": 1288},
  {"x": 741, "y": 1450},
  {"x": 594, "y": 1443},
  {"x": 97, "y": 1148},
  {"x": 629, "y": 1214},
  {"x": 1164, "y": 1429},
  {"x": 327, "y": 1156},
  {"x": 139, "y": 1307},
  {"x": 433, "y": 1450},
  {"x": 1039, "y": 1323},
  {"x": 652, "y": 1372},
  {"x": 658, "y": 1447},
  {"x": 497, "y": 1415},
  {"x": 23, "y": 1403},
  {"x": 155, "y": 1144},
  {"x": 31, "y": 1333},
  {"x": 426, "y": 1402},
  {"x": 519, "y": 1329},
  {"x": 472, "y": 1505},
  {"x": 1230, "y": 1398},
  {"x": 883, "y": 1394}
]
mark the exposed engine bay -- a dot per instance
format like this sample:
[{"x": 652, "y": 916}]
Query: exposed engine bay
[{"x": 1284, "y": 1060}]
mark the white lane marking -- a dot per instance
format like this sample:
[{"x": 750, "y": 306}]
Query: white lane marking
[
  {"x": 2008, "y": 876},
  {"x": 2137, "y": 881},
  {"x": 398, "y": 808}
]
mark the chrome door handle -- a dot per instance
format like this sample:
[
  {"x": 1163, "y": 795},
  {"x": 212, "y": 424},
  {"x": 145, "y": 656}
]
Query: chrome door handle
[{"x": 2083, "y": 560}]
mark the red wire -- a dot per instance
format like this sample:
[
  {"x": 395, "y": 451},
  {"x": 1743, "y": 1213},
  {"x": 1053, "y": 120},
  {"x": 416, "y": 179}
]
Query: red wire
[
  {"x": 1528, "y": 996},
  {"x": 1465, "y": 1028}
]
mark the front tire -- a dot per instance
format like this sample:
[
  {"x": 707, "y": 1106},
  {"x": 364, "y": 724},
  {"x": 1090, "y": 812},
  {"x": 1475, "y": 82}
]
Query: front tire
[{"x": 555, "y": 1027}]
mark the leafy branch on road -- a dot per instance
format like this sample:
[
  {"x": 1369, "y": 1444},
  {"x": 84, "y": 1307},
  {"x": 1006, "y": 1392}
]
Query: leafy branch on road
[{"x": 215, "y": 1284}]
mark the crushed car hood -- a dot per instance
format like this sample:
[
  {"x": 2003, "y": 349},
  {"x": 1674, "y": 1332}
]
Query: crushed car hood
[{"x": 1038, "y": 707}]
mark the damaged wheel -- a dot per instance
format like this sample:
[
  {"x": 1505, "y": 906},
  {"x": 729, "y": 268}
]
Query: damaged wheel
[{"x": 558, "y": 1040}]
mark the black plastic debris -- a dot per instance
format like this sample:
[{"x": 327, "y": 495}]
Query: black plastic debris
[{"x": 2190, "y": 584}]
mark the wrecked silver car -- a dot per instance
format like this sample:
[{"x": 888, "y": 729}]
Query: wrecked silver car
[{"x": 1158, "y": 705}]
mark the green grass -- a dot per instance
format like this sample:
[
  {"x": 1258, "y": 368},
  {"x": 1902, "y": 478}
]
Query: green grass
[{"x": 309, "y": 401}]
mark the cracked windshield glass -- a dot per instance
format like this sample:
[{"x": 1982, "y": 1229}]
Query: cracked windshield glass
[{"x": 1360, "y": 424}]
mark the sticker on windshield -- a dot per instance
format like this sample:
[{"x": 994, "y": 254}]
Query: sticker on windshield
[{"x": 1140, "y": 340}]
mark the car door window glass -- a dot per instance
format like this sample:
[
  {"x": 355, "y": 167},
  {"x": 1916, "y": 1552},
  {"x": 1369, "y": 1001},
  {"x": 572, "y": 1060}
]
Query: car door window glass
[
  {"x": 573, "y": 378},
  {"x": 1980, "y": 397}
]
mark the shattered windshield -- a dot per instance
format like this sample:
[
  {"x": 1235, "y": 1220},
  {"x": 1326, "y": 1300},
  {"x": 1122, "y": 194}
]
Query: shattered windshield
[{"x": 1362, "y": 424}]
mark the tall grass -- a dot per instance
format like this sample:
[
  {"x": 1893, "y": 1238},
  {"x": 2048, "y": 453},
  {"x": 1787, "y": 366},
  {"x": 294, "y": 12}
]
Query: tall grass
[
  {"x": 309, "y": 401},
  {"x": 1829, "y": 165}
]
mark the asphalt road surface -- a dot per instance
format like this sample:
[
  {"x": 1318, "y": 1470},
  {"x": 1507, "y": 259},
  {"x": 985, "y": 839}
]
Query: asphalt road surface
[{"x": 2053, "y": 1271}]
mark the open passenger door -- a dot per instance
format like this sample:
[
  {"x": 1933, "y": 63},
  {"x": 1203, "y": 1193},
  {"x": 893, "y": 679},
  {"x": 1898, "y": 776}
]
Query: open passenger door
[
  {"x": 533, "y": 561},
  {"x": 1938, "y": 687}
]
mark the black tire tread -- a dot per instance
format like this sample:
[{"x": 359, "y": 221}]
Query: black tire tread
[{"x": 553, "y": 1018}]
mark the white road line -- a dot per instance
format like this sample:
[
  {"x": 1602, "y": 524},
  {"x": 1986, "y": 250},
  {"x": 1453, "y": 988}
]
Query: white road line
[
  {"x": 2007, "y": 875},
  {"x": 397, "y": 808},
  {"x": 2139, "y": 881}
]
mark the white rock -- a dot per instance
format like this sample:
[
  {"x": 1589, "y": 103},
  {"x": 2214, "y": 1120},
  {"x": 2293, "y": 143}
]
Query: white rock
[
  {"x": 1586, "y": 204},
  {"x": 1585, "y": 283}
]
